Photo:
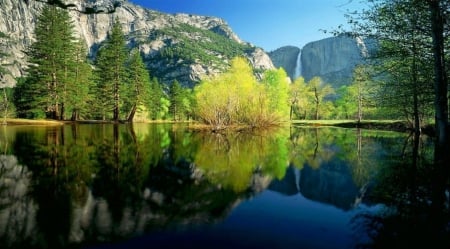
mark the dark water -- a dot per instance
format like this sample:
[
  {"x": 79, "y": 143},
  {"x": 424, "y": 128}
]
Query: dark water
[{"x": 164, "y": 186}]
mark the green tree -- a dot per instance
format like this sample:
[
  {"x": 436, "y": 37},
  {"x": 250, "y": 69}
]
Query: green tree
[
  {"x": 52, "y": 66},
  {"x": 157, "y": 102},
  {"x": 176, "y": 96},
  {"x": 138, "y": 85},
  {"x": 345, "y": 106},
  {"x": 277, "y": 90},
  {"x": 77, "y": 94},
  {"x": 111, "y": 72},
  {"x": 319, "y": 90},
  {"x": 299, "y": 98},
  {"x": 231, "y": 98}
]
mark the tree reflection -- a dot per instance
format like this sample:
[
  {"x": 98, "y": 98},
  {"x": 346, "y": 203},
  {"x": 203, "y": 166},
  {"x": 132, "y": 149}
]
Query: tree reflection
[
  {"x": 233, "y": 160},
  {"x": 415, "y": 194}
]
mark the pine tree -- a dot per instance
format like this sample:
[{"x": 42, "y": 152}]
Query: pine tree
[
  {"x": 138, "y": 86},
  {"x": 156, "y": 100},
  {"x": 111, "y": 72},
  {"x": 52, "y": 64},
  {"x": 78, "y": 92},
  {"x": 177, "y": 97}
]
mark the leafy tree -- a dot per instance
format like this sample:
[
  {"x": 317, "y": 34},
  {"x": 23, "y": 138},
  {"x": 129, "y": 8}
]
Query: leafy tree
[
  {"x": 230, "y": 98},
  {"x": 237, "y": 98},
  {"x": 298, "y": 98},
  {"x": 418, "y": 29},
  {"x": 319, "y": 90},
  {"x": 138, "y": 85},
  {"x": 277, "y": 91},
  {"x": 346, "y": 106},
  {"x": 111, "y": 72}
]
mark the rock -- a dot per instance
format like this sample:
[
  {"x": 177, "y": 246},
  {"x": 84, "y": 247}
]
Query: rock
[
  {"x": 333, "y": 59},
  {"x": 286, "y": 57},
  {"x": 142, "y": 27}
]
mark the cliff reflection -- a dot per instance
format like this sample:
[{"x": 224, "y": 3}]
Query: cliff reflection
[{"x": 87, "y": 184}]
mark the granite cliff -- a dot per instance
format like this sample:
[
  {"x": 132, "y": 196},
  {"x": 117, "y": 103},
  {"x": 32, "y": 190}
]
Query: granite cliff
[
  {"x": 159, "y": 36},
  {"x": 333, "y": 58},
  {"x": 286, "y": 57}
]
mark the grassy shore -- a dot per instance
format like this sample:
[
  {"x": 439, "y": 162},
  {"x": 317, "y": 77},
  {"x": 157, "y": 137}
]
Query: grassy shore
[
  {"x": 394, "y": 125},
  {"x": 21, "y": 121}
]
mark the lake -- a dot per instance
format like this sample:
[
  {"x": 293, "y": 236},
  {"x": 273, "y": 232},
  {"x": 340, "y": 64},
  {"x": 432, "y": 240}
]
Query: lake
[{"x": 169, "y": 186}]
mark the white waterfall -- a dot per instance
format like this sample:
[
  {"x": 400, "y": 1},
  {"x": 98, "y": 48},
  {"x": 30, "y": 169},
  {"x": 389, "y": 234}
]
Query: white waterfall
[{"x": 298, "y": 65}]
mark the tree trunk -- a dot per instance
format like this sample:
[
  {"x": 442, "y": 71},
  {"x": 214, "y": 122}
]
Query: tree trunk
[
  {"x": 440, "y": 86},
  {"x": 116, "y": 101},
  {"x": 132, "y": 113}
]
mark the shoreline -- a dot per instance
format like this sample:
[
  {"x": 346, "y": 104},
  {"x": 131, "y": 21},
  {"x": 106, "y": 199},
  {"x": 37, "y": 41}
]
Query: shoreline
[{"x": 391, "y": 125}]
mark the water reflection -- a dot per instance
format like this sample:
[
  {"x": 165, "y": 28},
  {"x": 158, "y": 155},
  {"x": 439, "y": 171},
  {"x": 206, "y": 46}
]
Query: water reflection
[
  {"x": 415, "y": 194},
  {"x": 84, "y": 185}
]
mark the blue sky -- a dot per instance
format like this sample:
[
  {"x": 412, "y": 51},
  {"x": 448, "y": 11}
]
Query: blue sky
[{"x": 269, "y": 24}]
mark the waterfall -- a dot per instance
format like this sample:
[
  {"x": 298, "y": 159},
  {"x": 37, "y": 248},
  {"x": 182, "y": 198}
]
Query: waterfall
[{"x": 298, "y": 65}]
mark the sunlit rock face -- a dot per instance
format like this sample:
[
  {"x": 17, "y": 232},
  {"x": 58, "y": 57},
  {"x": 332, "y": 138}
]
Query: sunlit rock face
[
  {"x": 142, "y": 28},
  {"x": 333, "y": 59},
  {"x": 286, "y": 57}
]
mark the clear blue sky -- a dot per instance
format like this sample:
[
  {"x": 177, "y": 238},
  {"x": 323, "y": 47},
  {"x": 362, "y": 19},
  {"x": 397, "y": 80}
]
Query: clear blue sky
[{"x": 269, "y": 24}]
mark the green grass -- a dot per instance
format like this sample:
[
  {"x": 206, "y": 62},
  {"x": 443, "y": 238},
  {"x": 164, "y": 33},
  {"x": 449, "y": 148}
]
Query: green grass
[{"x": 20, "y": 121}]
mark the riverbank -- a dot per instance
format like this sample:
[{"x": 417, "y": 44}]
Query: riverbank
[
  {"x": 22, "y": 121},
  {"x": 392, "y": 125}
]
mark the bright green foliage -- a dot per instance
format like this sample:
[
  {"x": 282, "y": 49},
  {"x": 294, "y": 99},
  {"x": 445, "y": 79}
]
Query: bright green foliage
[
  {"x": 111, "y": 72},
  {"x": 319, "y": 90},
  {"x": 238, "y": 155},
  {"x": 157, "y": 102},
  {"x": 228, "y": 98},
  {"x": 276, "y": 84},
  {"x": 298, "y": 99},
  {"x": 236, "y": 97},
  {"x": 346, "y": 104},
  {"x": 403, "y": 29},
  {"x": 53, "y": 65},
  {"x": 138, "y": 86}
]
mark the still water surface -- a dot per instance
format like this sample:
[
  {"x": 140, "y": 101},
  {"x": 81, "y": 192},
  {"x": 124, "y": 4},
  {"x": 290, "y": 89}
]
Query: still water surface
[{"x": 167, "y": 186}]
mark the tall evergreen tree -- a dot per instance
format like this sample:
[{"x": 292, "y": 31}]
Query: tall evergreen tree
[
  {"x": 176, "y": 100},
  {"x": 138, "y": 85},
  {"x": 52, "y": 64},
  {"x": 78, "y": 93},
  {"x": 157, "y": 100},
  {"x": 111, "y": 72}
]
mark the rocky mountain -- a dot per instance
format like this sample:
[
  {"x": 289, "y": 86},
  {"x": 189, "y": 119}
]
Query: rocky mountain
[
  {"x": 175, "y": 46},
  {"x": 333, "y": 59},
  {"x": 286, "y": 57}
]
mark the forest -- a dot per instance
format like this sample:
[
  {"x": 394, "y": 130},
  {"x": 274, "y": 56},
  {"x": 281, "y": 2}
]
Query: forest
[{"x": 398, "y": 82}]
